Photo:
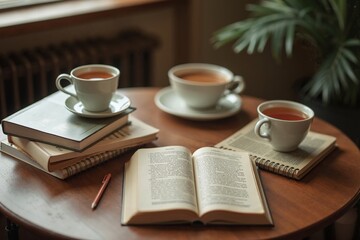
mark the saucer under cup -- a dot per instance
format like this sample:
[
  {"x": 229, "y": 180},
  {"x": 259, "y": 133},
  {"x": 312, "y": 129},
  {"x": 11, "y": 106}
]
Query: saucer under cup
[
  {"x": 118, "y": 104},
  {"x": 171, "y": 103}
]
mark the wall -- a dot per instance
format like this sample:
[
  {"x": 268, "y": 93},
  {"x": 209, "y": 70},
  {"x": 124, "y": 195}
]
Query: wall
[
  {"x": 264, "y": 77},
  {"x": 158, "y": 22}
]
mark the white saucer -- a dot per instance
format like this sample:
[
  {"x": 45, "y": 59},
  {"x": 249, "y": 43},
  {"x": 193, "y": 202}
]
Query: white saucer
[
  {"x": 119, "y": 104},
  {"x": 167, "y": 100}
]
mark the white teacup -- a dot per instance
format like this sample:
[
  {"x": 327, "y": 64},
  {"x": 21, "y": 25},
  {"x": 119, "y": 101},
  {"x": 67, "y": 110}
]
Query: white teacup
[
  {"x": 202, "y": 85},
  {"x": 284, "y": 124},
  {"x": 94, "y": 84}
]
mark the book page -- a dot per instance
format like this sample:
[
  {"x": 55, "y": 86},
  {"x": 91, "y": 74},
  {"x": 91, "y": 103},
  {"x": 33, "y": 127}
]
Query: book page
[
  {"x": 225, "y": 180},
  {"x": 165, "y": 179},
  {"x": 261, "y": 151}
]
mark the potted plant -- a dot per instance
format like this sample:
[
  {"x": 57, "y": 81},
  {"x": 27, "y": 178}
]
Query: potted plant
[{"x": 330, "y": 27}]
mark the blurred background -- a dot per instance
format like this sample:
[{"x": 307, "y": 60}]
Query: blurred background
[
  {"x": 143, "y": 38},
  {"x": 183, "y": 31}
]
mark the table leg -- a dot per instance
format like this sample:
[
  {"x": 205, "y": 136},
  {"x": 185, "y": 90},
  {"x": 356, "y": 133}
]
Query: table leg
[
  {"x": 357, "y": 223},
  {"x": 329, "y": 232},
  {"x": 12, "y": 230}
]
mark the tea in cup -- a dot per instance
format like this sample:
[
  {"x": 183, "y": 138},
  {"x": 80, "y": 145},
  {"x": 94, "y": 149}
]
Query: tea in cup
[
  {"x": 202, "y": 85},
  {"x": 284, "y": 124},
  {"x": 94, "y": 85}
]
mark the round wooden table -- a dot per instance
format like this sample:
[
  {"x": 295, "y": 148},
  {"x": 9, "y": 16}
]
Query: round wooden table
[{"x": 61, "y": 208}]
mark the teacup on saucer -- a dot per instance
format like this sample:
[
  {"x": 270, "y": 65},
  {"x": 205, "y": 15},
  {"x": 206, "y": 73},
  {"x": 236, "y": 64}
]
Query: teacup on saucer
[
  {"x": 171, "y": 103},
  {"x": 202, "y": 85}
]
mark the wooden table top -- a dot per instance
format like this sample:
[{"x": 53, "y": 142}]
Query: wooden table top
[{"x": 61, "y": 208}]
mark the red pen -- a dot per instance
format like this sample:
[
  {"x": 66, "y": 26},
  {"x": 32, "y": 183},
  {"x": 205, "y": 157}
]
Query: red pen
[{"x": 104, "y": 184}]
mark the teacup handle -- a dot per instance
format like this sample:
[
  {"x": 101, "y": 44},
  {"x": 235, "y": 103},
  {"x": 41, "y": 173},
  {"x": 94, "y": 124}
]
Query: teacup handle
[
  {"x": 258, "y": 126},
  {"x": 237, "y": 85},
  {"x": 66, "y": 77}
]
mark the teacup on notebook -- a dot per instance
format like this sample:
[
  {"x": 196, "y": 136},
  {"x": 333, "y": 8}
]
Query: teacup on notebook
[
  {"x": 94, "y": 84},
  {"x": 284, "y": 124},
  {"x": 202, "y": 85}
]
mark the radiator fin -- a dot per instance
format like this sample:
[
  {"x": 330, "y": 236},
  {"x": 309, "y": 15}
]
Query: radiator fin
[{"x": 29, "y": 75}]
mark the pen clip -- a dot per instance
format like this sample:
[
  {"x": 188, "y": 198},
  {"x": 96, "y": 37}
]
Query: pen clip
[{"x": 106, "y": 178}]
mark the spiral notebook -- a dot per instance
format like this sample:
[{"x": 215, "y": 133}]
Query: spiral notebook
[
  {"x": 86, "y": 163},
  {"x": 295, "y": 164}
]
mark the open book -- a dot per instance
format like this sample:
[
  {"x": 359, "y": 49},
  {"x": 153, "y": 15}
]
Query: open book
[
  {"x": 294, "y": 164},
  {"x": 169, "y": 185},
  {"x": 51, "y": 157}
]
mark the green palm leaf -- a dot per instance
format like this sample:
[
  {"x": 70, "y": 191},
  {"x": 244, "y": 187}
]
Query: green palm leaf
[
  {"x": 322, "y": 23},
  {"x": 335, "y": 75}
]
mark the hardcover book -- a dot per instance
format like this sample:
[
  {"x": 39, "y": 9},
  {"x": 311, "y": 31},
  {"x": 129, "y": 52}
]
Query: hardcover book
[
  {"x": 48, "y": 121},
  {"x": 169, "y": 185},
  {"x": 295, "y": 164},
  {"x": 51, "y": 157}
]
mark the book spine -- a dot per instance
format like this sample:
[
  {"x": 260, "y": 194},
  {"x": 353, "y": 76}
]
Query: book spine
[{"x": 91, "y": 161}]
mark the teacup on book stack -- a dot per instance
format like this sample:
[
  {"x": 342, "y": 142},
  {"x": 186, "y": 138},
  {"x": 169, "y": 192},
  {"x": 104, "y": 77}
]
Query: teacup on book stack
[
  {"x": 61, "y": 124},
  {"x": 284, "y": 124},
  {"x": 297, "y": 156}
]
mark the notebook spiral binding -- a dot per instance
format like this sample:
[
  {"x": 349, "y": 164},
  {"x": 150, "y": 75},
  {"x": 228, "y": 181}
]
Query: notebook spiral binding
[
  {"x": 275, "y": 167},
  {"x": 270, "y": 166},
  {"x": 92, "y": 161}
]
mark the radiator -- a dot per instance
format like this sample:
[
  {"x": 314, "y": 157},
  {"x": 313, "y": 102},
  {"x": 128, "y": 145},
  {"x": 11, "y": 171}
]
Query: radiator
[{"x": 29, "y": 75}]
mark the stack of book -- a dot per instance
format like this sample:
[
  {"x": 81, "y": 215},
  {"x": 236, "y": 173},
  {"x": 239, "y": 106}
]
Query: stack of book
[{"x": 49, "y": 137}]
